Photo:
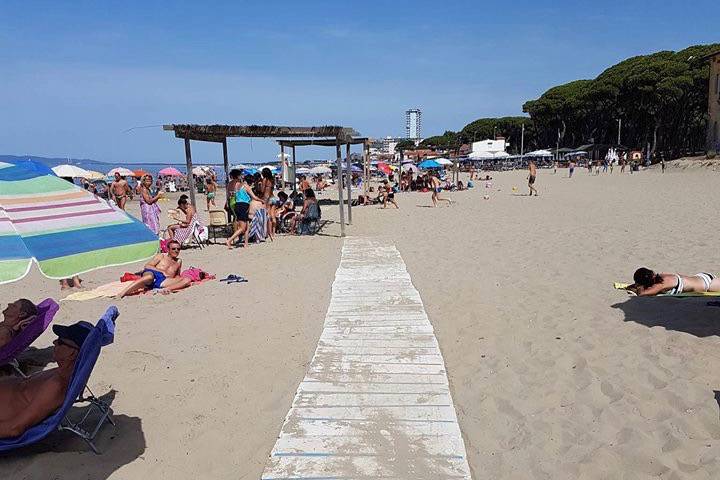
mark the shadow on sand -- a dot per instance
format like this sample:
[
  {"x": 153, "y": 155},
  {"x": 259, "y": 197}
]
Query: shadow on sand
[
  {"x": 690, "y": 315},
  {"x": 64, "y": 455}
]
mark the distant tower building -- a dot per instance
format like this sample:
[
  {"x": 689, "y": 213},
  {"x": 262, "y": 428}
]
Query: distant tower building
[{"x": 413, "y": 124}]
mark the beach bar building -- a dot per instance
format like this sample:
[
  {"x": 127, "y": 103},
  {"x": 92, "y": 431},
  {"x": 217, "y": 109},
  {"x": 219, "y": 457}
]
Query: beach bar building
[
  {"x": 713, "y": 125},
  {"x": 335, "y": 135}
]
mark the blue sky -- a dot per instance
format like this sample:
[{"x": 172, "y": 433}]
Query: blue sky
[{"x": 77, "y": 75}]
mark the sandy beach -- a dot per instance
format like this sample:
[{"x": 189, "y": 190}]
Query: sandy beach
[{"x": 554, "y": 374}]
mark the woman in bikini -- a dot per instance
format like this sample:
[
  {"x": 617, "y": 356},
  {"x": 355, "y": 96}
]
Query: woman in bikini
[{"x": 649, "y": 283}]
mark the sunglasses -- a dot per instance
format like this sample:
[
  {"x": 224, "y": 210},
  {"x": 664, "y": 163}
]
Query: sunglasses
[
  {"x": 174, "y": 249},
  {"x": 60, "y": 341}
]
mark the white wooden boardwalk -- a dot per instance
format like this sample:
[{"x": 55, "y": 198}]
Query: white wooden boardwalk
[{"x": 375, "y": 401}]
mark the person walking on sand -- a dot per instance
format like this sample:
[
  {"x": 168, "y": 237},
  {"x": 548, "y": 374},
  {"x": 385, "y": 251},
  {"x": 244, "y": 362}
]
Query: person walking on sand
[
  {"x": 211, "y": 187},
  {"x": 119, "y": 190},
  {"x": 243, "y": 196},
  {"x": 531, "y": 178},
  {"x": 571, "y": 168},
  {"x": 662, "y": 163},
  {"x": 436, "y": 189}
]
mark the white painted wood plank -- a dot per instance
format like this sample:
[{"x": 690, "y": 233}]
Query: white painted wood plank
[{"x": 375, "y": 401}]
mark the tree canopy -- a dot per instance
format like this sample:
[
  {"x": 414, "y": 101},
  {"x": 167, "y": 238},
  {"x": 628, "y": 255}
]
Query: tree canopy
[{"x": 661, "y": 100}]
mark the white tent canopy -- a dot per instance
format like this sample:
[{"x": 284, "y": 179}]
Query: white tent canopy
[
  {"x": 72, "y": 171},
  {"x": 488, "y": 155},
  {"x": 539, "y": 153}
]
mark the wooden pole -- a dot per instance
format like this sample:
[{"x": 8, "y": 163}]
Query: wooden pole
[
  {"x": 282, "y": 159},
  {"x": 366, "y": 167},
  {"x": 226, "y": 164},
  {"x": 348, "y": 180},
  {"x": 294, "y": 172},
  {"x": 188, "y": 164},
  {"x": 340, "y": 189}
]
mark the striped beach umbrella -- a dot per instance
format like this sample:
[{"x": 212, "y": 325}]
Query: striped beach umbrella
[{"x": 65, "y": 229}]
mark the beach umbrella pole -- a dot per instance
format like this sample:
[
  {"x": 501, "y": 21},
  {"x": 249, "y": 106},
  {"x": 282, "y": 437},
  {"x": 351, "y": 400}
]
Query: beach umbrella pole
[
  {"x": 188, "y": 161},
  {"x": 338, "y": 163},
  {"x": 294, "y": 172}
]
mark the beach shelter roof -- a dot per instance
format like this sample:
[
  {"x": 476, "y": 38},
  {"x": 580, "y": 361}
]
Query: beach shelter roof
[
  {"x": 72, "y": 171},
  {"x": 171, "y": 171},
  {"x": 63, "y": 228},
  {"x": 124, "y": 172}
]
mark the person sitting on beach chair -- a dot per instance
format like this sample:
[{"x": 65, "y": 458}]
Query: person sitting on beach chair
[
  {"x": 162, "y": 272},
  {"x": 17, "y": 316},
  {"x": 648, "y": 283},
  {"x": 28, "y": 401}
]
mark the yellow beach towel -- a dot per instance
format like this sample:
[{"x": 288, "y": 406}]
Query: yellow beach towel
[{"x": 111, "y": 289}]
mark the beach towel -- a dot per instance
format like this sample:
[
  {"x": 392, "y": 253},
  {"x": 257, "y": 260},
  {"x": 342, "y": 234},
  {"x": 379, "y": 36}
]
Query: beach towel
[
  {"x": 258, "y": 226},
  {"x": 624, "y": 286},
  {"x": 111, "y": 289},
  {"x": 46, "y": 310},
  {"x": 183, "y": 234},
  {"x": 197, "y": 275}
]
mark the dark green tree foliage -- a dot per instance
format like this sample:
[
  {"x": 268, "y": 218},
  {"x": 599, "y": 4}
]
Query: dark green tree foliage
[
  {"x": 447, "y": 141},
  {"x": 508, "y": 127},
  {"x": 661, "y": 99},
  {"x": 403, "y": 145}
]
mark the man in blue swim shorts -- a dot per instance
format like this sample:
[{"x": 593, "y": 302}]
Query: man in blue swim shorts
[{"x": 162, "y": 273}]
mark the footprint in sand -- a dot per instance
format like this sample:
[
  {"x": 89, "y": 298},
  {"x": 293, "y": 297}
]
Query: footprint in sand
[{"x": 611, "y": 392}]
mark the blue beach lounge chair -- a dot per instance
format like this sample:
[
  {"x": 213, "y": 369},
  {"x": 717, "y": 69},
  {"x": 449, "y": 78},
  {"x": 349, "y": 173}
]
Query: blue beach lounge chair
[
  {"x": 46, "y": 310},
  {"x": 100, "y": 336}
]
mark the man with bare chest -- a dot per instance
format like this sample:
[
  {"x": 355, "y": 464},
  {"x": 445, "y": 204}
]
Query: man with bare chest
[
  {"x": 25, "y": 402},
  {"x": 119, "y": 190},
  {"x": 162, "y": 272}
]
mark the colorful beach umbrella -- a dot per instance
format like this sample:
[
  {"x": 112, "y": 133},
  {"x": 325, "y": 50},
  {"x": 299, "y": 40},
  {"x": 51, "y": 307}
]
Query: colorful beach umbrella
[
  {"x": 426, "y": 164},
  {"x": 171, "y": 172},
  {"x": 93, "y": 175},
  {"x": 140, "y": 173},
  {"x": 63, "y": 228},
  {"x": 384, "y": 167}
]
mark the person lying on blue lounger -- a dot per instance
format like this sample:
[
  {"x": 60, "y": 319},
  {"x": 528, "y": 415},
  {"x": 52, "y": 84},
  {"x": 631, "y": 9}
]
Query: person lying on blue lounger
[{"x": 25, "y": 402}]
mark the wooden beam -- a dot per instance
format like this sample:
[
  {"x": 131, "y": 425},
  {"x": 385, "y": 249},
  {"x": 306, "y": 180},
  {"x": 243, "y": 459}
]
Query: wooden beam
[
  {"x": 340, "y": 189},
  {"x": 188, "y": 164},
  {"x": 348, "y": 181}
]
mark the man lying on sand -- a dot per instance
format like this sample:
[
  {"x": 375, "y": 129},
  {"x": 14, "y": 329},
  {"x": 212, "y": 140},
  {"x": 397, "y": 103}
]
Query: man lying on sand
[
  {"x": 162, "y": 273},
  {"x": 27, "y": 401},
  {"x": 649, "y": 283},
  {"x": 18, "y": 315}
]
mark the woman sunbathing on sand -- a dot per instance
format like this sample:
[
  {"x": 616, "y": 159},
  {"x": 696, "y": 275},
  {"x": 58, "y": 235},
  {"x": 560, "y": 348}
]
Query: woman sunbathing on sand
[{"x": 649, "y": 283}]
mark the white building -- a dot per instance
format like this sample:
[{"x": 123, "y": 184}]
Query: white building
[
  {"x": 489, "y": 149},
  {"x": 413, "y": 124}
]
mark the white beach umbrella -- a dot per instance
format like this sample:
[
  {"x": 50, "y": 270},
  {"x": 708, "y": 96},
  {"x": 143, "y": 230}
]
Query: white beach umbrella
[
  {"x": 72, "y": 171},
  {"x": 239, "y": 166},
  {"x": 320, "y": 170},
  {"x": 271, "y": 167},
  {"x": 93, "y": 175},
  {"x": 302, "y": 170},
  {"x": 409, "y": 167},
  {"x": 443, "y": 161},
  {"x": 200, "y": 171},
  {"x": 124, "y": 172},
  {"x": 539, "y": 153}
]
